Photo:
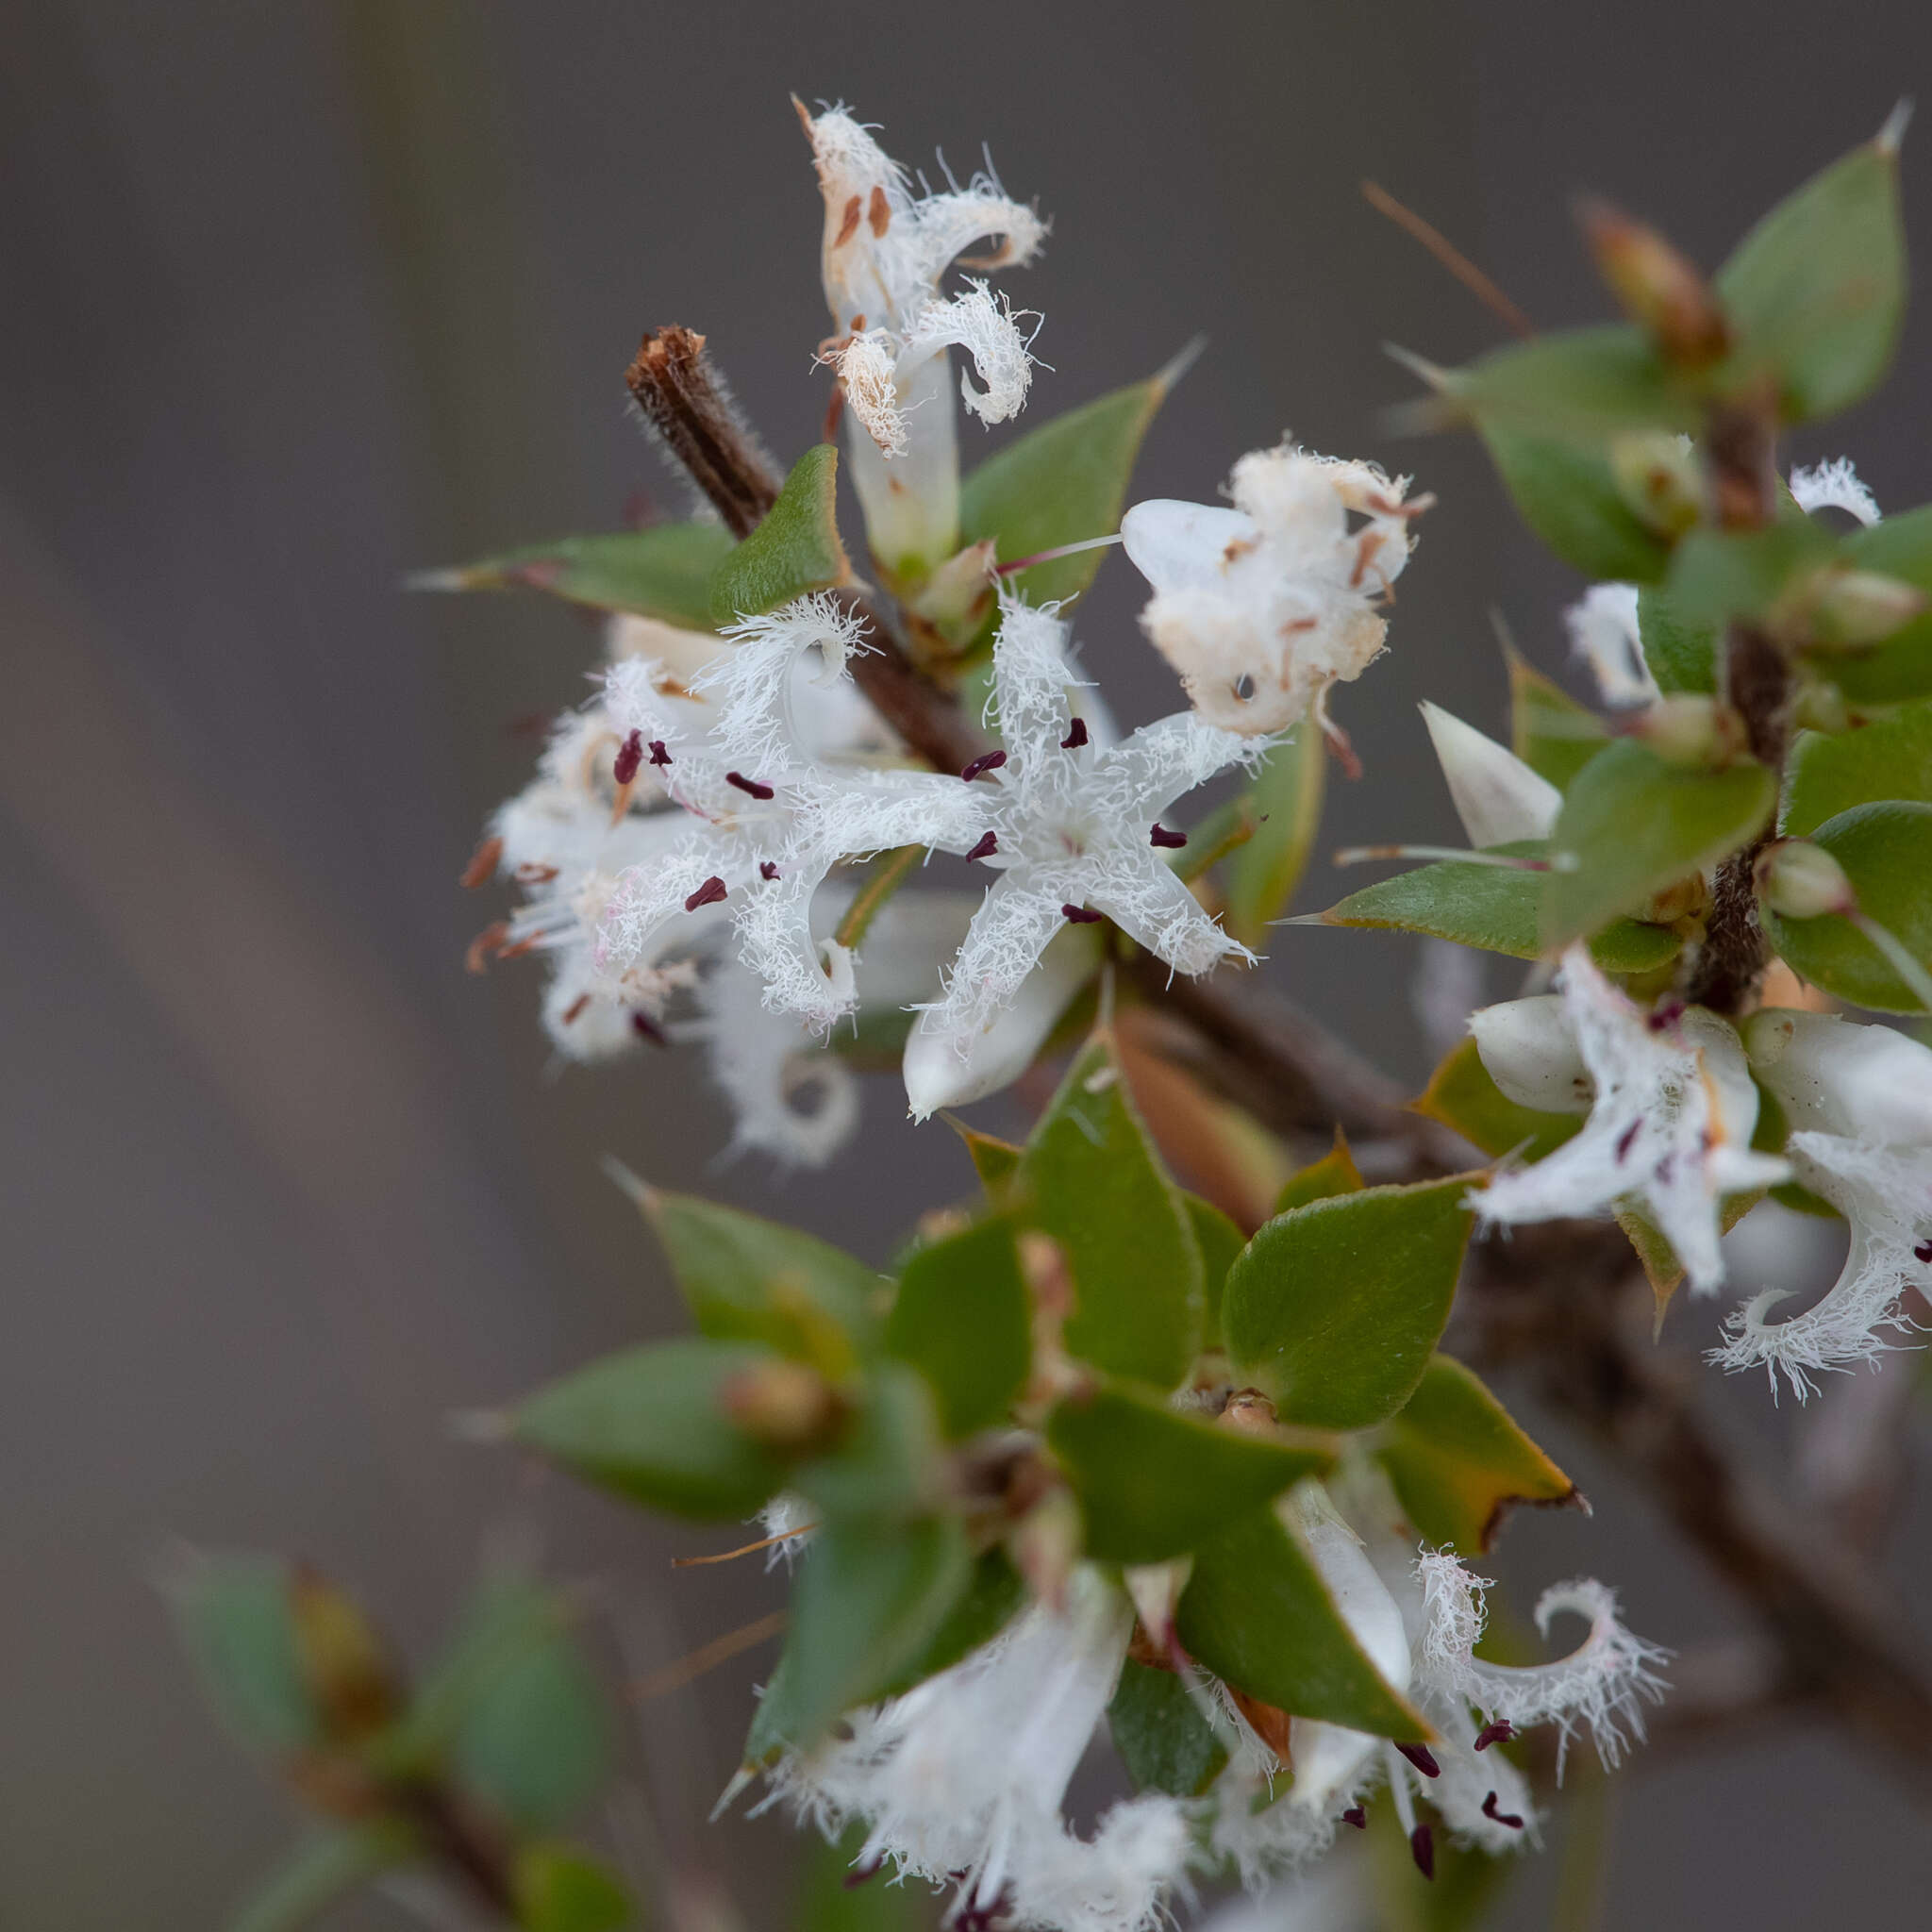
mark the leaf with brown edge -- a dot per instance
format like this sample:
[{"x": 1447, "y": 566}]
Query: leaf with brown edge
[
  {"x": 1459, "y": 1462},
  {"x": 1661, "y": 1268},
  {"x": 1460, "y": 1094},
  {"x": 1334, "y": 1174},
  {"x": 993, "y": 1160}
]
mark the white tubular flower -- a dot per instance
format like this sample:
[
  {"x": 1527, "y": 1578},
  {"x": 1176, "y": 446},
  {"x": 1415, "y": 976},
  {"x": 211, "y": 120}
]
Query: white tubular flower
[
  {"x": 1861, "y": 1098},
  {"x": 1261, "y": 608},
  {"x": 1670, "y": 1126},
  {"x": 1600, "y": 1687},
  {"x": 769, "y": 820},
  {"x": 1603, "y": 632},
  {"x": 962, "y": 1780},
  {"x": 1834, "y": 485},
  {"x": 1498, "y": 798},
  {"x": 884, "y": 254},
  {"x": 1073, "y": 831}
]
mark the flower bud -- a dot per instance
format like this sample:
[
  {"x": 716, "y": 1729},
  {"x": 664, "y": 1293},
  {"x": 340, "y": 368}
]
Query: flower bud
[
  {"x": 1657, "y": 285},
  {"x": 1850, "y": 609},
  {"x": 1867, "y": 1083},
  {"x": 1820, "y": 706},
  {"x": 1688, "y": 727},
  {"x": 1498, "y": 798},
  {"x": 1657, "y": 473},
  {"x": 783, "y": 1405},
  {"x": 1799, "y": 880},
  {"x": 1529, "y": 1050},
  {"x": 1155, "y": 1588},
  {"x": 343, "y": 1661},
  {"x": 959, "y": 595}
]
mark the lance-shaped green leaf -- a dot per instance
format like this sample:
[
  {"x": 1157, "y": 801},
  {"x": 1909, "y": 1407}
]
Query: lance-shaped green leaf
[
  {"x": 748, "y": 1279},
  {"x": 1257, "y": 1613},
  {"x": 1095, "y": 1183},
  {"x": 533, "y": 1741},
  {"x": 1633, "y": 823},
  {"x": 560, "y": 1889},
  {"x": 963, "y": 1319},
  {"x": 651, "y": 1424},
  {"x": 993, "y": 1161},
  {"x": 1901, "y": 668},
  {"x": 1580, "y": 386},
  {"x": 1891, "y": 758},
  {"x": 1816, "y": 289},
  {"x": 1164, "y": 1743},
  {"x": 1154, "y": 1483},
  {"x": 1552, "y": 733},
  {"x": 234, "y": 1616},
  {"x": 1334, "y": 1308},
  {"x": 1285, "y": 803},
  {"x": 1565, "y": 492},
  {"x": 663, "y": 572},
  {"x": 1459, "y": 1462},
  {"x": 1496, "y": 909},
  {"x": 869, "y": 1601},
  {"x": 1680, "y": 651},
  {"x": 1461, "y": 1095},
  {"x": 794, "y": 550},
  {"x": 886, "y": 1462},
  {"x": 1061, "y": 483},
  {"x": 319, "y": 1873},
  {"x": 1219, "y": 1241},
  {"x": 1322, "y": 1180},
  {"x": 1886, "y": 851}
]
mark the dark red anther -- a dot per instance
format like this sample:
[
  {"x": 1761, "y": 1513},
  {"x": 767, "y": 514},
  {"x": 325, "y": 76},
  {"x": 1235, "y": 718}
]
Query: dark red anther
[
  {"x": 707, "y": 895},
  {"x": 1627, "y": 1139},
  {"x": 1509, "y": 1817},
  {"x": 767, "y": 870},
  {"x": 1423, "y": 1758},
  {"x": 1498, "y": 1733},
  {"x": 1077, "y": 735},
  {"x": 1080, "y": 916},
  {"x": 986, "y": 761},
  {"x": 1422, "y": 1848},
  {"x": 647, "y": 1028},
  {"x": 1923, "y": 1251},
  {"x": 1357, "y": 1816},
  {"x": 750, "y": 785},
  {"x": 1169, "y": 841},
  {"x": 859, "y": 1874},
  {"x": 988, "y": 845},
  {"x": 630, "y": 755},
  {"x": 1666, "y": 1013},
  {"x": 658, "y": 755}
]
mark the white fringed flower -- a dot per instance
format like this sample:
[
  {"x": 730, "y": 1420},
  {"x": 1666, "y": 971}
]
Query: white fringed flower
[
  {"x": 1860, "y": 1098},
  {"x": 1603, "y": 632},
  {"x": 1671, "y": 1118},
  {"x": 1600, "y": 1687},
  {"x": 886, "y": 251},
  {"x": 1834, "y": 485},
  {"x": 1074, "y": 827},
  {"x": 962, "y": 1781},
  {"x": 1261, "y": 608},
  {"x": 1498, "y": 798},
  {"x": 769, "y": 818}
]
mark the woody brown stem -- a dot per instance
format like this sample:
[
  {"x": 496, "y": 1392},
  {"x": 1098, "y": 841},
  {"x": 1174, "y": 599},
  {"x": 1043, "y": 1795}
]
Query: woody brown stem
[{"x": 684, "y": 400}]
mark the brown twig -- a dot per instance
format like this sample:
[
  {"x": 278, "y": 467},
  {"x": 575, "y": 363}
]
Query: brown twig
[
  {"x": 1451, "y": 257},
  {"x": 686, "y": 404}
]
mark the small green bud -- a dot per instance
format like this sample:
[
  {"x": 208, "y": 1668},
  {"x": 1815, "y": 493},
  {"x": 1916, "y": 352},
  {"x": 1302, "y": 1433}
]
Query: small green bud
[
  {"x": 1657, "y": 285},
  {"x": 343, "y": 1661},
  {"x": 1658, "y": 474},
  {"x": 1692, "y": 729},
  {"x": 1799, "y": 880},
  {"x": 785, "y": 1406},
  {"x": 1820, "y": 706},
  {"x": 1850, "y": 609}
]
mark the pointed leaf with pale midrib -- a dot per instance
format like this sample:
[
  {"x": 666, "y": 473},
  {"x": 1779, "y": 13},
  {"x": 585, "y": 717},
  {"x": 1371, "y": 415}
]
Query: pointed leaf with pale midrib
[{"x": 664, "y": 571}]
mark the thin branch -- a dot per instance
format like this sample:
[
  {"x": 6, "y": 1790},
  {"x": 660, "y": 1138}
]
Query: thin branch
[
  {"x": 684, "y": 401},
  {"x": 1452, "y": 258},
  {"x": 708, "y": 1657}
]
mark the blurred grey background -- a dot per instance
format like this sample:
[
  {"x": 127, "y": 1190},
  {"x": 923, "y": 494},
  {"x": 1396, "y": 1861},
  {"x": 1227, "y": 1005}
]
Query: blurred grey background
[{"x": 302, "y": 295}]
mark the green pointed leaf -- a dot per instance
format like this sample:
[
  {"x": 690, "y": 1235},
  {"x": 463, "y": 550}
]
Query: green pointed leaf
[
  {"x": 870, "y": 1600},
  {"x": 1824, "y": 775},
  {"x": 1334, "y": 1174},
  {"x": 1096, "y": 1186},
  {"x": 1901, "y": 668},
  {"x": 1887, "y": 854},
  {"x": 794, "y": 550},
  {"x": 651, "y": 1424},
  {"x": 886, "y": 1463},
  {"x": 235, "y": 1617},
  {"x": 1219, "y": 1241},
  {"x": 1554, "y": 735},
  {"x": 1564, "y": 491},
  {"x": 747, "y": 1279},
  {"x": 559, "y": 1889},
  {"x": 1334, "y": 1308},
  {"x": 320, "y": 1873},
  {"x": 993, "y": 1160},
  {"x": 1459, "y": 1462},
  {"x": 1816, "y": 289},
  {"x": 964, "y": 1320},
  {"x": 1578, "y": 386},
  {"x": 1257, "y": 1613},
  {"x": 663, "y": 572},
  {"x": 1680, "y": 651},
  {"x": 1154, "y": 1483},
  {"x": 533, "y": 1741},
  {"x": 1461, "y": 1095},
  {"x": 1286, "y": 802},
  {"x": 1633, "y": 823},
  {"x": 1164, "y": 1743},
  {"x": 1061, "y": 483},
  {"x": 1495, "y": 909}
]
